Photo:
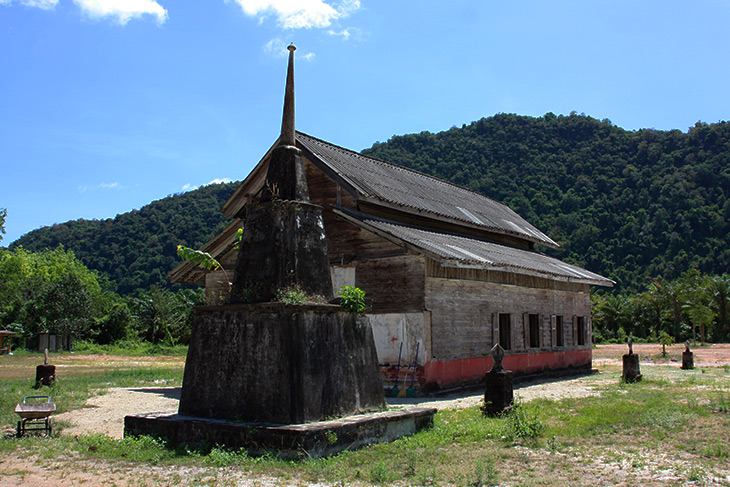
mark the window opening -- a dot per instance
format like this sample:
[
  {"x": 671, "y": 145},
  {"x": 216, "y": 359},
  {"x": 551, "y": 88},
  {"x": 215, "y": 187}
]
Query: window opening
[
  {"x": 559, "y": 331},
  {"x": 505, "y": 331},
  {"x": 534, "y": 324},
  {"x": 581, "y": 330}
]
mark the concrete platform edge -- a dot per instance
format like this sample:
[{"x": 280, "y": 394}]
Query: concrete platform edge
[{"x": 294, "y": 441}]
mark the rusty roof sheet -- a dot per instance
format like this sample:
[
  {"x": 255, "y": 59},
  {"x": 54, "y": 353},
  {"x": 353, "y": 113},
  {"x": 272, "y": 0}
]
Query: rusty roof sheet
[
  {"x": 389, "y": 183},
  {"x": 458, "y": 251}
]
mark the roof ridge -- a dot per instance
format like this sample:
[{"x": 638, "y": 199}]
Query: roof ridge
[{"x": 403, "y": 168}]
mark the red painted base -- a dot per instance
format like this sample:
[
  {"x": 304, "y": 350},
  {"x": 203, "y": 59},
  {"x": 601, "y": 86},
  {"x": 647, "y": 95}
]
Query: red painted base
[{"x": 449, "y": 373}]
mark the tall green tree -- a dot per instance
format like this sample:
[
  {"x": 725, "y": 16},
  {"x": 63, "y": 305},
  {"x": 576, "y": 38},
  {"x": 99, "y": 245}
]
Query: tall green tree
[
  {"x": 719, "y": 289},
  {"x": 49, "y": 291},
  {"x": 3, "y": 215}
]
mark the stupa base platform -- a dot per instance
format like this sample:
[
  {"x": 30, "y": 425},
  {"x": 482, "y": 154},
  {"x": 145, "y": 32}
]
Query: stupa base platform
[{"x": 292, "y": 441}]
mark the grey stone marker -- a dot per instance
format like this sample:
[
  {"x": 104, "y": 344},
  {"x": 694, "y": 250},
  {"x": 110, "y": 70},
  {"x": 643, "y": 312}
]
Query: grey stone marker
[
  {"x": 45, "y": 375},
  {"x": 631, "y": 369},
  {"x": 498, "y": 386},
  {"x": 688, "y": 358}
]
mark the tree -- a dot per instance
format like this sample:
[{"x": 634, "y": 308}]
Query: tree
[
  {"x": 165, "y": 317},
  {"x": 665, "y": 339},
  {"x": 719, "y": 288},
  {"x": 3, "y": 215},
  {"x": 49, "y": 291}
]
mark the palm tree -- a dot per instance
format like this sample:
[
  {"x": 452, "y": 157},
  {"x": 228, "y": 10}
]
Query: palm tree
[{"x": 720, "y": 292}]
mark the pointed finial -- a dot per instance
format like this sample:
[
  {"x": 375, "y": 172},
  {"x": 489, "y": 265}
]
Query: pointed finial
[{"x": 287, "y": 122}]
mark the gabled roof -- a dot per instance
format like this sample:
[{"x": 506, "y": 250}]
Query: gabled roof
[
  {"x": 379, "y": 181},
  {"x": 458, "y": 251},
  {"x": 389, "y": 185}
]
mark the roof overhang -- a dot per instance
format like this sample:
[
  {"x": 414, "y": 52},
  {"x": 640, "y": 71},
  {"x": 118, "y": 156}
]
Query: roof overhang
[{"x": 544, "y": 266}]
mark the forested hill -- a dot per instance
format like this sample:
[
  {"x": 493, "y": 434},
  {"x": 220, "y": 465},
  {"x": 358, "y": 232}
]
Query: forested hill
[
  {"x": 628, "y": 205},
  {"x": 137, "y": 249}
]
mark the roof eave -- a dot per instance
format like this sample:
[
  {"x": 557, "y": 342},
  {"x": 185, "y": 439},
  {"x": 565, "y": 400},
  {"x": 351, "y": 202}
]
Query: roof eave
[
  {"x": 521, "y": 270},
  {"x": 454, "y": 263}
]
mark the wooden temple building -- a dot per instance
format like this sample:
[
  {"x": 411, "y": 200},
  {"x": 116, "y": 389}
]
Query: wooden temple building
[{"x": 449, "y": 272}]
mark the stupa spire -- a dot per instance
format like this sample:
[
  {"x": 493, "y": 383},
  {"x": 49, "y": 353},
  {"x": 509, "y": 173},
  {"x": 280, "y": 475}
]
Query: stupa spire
[{"x": 287, "y": 121}]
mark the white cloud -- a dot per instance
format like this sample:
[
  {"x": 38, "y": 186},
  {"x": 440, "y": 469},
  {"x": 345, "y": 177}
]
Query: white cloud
[
  {"x": 121, "y": 10},
  {"x": 42, "y": 4},
  {"x": 299, "y": 14},
  {"x": 114, "y": 185},
  {"x": 190, "y": 187},
  {"x": 348, "y": 33},
  {"x": 220, "y": 180}
]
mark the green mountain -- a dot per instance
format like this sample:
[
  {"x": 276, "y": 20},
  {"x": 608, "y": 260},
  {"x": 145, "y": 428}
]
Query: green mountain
[
  {"x": 137, "y": 249},
  {"x": 628, "y": 205}
]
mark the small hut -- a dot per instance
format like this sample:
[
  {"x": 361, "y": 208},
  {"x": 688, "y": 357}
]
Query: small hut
[{"x": 5, "y": 341}]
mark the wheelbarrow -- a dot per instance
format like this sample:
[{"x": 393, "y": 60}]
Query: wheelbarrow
[{"x": 35, "y": 416}]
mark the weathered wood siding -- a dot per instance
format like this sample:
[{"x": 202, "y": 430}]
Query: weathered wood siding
[
  {"x": 434, "y": 269},
  {"x": 394, "y": 284},
  {"x": 465, "y": 315},
  {"x": 345, "y": 241}
]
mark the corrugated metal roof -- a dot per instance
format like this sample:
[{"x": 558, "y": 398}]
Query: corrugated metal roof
[
  {"x": 390, "y": 183},
  {"x": 477, "y": 253}
]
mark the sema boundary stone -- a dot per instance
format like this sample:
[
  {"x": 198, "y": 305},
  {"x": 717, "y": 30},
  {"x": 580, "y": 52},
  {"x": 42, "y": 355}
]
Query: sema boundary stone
[
  {"x": 294, "y": 441},
  {"x": 498, "y": 392},
  {"x": 631, "y": 369}
]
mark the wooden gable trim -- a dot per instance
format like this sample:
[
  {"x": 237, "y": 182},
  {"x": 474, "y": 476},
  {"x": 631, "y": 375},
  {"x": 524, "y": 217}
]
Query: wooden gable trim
[{"x": 248, "y": 187}]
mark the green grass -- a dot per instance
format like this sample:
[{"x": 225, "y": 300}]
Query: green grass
[
  {"x": 129, "y": 348},
  {"x": 633, "y": 427},
  {"x": 72, "y": 392}
]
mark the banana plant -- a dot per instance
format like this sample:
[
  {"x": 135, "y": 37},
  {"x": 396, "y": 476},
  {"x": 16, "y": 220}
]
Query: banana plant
[{"x": 205, "y": 260}]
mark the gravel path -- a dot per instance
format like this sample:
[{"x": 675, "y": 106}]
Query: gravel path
[{"x": 105, "y": 414}]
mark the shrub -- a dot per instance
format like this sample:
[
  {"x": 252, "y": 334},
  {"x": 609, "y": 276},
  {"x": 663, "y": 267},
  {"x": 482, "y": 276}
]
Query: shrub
[
  {"x": 523, "y": 423},
  {"x": 352, "y": 300}
]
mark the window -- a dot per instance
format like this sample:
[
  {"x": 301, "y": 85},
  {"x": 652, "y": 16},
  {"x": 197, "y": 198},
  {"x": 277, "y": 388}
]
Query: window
[
  {"x": 580, "y": 329},
  {"x": 559, "y": 331},
  {"x": 505, "y": 331},
  {"x": 534, "y": 330}
]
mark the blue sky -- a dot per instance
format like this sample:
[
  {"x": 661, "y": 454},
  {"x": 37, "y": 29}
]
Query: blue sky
[{"x": 106, "y": 105}]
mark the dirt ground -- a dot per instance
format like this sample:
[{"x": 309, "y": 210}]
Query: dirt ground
[
  {"x": 712, "y": 355},
  {"x": 105, "y": 414}
]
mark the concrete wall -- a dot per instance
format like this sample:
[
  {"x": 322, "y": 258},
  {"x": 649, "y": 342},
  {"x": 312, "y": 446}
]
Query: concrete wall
[{"x": 392, "y": 329}]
